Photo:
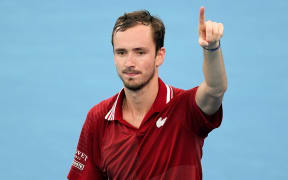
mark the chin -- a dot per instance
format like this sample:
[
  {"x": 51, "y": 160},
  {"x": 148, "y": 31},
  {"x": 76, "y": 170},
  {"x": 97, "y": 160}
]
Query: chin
[
  {"x": 137, "y": 83},
  {"x": 134, "y": 86}
]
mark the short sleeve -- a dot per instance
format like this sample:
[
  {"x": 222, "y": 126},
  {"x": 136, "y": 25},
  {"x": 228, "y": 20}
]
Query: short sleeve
[
  {"x": 84, "y": 166},
  {"x": 201, "y": 123}
]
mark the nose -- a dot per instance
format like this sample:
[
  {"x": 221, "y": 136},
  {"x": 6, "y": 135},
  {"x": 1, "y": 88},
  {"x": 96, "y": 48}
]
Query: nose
[{"x": 130, "y": 61}]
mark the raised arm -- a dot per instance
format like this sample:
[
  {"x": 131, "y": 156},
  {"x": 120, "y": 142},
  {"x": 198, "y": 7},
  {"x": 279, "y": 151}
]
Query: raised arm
[{"x": 211, "y": 91}]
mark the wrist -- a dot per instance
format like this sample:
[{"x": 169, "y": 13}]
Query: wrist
[{"x": 213, "y": 47}]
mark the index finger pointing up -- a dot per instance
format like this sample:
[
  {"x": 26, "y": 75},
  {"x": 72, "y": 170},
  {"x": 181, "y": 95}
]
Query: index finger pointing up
[{"x": 202, "y": 16}]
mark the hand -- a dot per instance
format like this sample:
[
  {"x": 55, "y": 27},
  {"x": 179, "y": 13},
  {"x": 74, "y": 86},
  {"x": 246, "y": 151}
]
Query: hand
[{"x": 209, "y": 32}]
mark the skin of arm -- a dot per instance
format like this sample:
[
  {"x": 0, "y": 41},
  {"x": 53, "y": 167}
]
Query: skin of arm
[{"x": 211, "y": 91}]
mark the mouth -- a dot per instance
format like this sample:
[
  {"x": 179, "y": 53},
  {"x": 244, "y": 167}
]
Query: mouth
[{"x": 131, "y": 73}]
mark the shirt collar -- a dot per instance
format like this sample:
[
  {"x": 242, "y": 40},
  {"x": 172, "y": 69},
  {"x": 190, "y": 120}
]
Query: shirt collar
[{"x": 164, "y": 96}]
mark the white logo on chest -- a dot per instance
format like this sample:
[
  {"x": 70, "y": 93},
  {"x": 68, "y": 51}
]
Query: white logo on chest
[{"x": 160, "y": 122}]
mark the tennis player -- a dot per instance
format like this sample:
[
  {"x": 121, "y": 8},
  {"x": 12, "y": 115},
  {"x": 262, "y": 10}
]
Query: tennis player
[{"x": 151, "y": 130}]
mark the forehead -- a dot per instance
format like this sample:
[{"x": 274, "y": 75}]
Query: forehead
[{"x": 136, "y": 36}]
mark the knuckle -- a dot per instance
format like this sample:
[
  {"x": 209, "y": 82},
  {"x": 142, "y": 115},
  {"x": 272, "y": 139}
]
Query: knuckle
[
  {"x": 208, "y": 22},
  {"x": 221, "y": 25}
]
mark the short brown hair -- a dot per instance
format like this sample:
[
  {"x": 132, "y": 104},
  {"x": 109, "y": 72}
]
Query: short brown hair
[{"x": 131, "y": 19}]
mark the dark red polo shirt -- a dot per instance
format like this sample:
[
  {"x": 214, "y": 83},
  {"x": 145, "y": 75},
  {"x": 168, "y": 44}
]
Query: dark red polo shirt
[{"x": 167, "y": 145}]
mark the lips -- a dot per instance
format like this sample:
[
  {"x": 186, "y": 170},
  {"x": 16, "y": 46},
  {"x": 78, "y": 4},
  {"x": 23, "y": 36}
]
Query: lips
[{"x": 131, "y": 72}]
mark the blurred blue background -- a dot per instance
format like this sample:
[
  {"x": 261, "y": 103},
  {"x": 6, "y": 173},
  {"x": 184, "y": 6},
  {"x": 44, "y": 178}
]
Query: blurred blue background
[{"x": 56, "y": 62}]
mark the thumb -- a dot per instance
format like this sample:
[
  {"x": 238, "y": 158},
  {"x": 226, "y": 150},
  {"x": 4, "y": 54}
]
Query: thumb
[{"x": 203, "y": 42}]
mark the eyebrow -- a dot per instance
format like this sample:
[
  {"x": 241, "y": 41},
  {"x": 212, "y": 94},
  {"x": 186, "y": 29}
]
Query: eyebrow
[
  {"x": 140, "y": 49},
  {"x": 120, "y": 49},
  {"x": 134, "y": 49}
]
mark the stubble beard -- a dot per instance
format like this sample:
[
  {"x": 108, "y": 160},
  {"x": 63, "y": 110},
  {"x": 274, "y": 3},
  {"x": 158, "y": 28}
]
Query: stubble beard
[{"x": 137, "y": 86}]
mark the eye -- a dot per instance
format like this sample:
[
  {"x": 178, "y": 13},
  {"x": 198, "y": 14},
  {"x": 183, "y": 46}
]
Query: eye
[
  {"x": 140, "y": 52},
  {"x": 121, "y": 53}
]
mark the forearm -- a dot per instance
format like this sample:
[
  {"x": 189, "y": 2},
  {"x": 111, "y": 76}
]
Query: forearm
[
  {"x": 215, "y": 78},
  {"x": 211, "y": 91}
]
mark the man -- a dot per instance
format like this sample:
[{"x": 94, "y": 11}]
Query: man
[{"x": 151, "y": 130}]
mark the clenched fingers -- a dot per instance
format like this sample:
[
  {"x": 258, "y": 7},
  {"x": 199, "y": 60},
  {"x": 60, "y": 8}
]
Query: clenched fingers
[{"x": 214, "y": 31}]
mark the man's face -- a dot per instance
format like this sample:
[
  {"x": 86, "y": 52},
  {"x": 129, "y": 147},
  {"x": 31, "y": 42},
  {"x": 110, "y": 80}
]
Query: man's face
[{"x": 135, "y": 57}]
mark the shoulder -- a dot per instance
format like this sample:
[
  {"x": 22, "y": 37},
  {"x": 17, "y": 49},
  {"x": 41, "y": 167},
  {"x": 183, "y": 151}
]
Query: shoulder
[
  {"x": 184, "y": 98},
  {"x": 184, "y": 93},
  {"x": 101, "y": 108},
  {"x": 96, "y": 115}
]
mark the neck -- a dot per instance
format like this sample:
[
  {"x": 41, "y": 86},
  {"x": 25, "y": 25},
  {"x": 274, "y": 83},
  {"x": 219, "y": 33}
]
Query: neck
[{"x": 139, "y": 102}]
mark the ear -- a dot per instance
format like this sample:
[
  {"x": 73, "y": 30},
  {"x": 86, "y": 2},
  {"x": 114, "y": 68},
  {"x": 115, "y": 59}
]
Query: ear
[{"x": 160, "y": 56}]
